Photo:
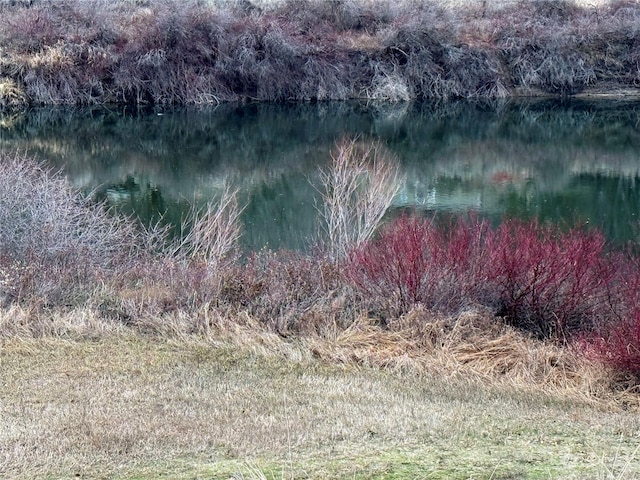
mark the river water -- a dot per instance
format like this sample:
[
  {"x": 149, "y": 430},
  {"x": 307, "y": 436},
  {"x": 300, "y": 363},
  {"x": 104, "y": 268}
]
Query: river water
[{"x": 575, "y": 162}]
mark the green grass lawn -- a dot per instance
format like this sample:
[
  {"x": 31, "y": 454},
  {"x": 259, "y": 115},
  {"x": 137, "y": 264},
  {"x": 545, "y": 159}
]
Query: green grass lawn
[{"x": 128, "y": 406}]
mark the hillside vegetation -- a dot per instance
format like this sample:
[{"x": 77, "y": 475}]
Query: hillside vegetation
[{"x": 196, "y": 52}]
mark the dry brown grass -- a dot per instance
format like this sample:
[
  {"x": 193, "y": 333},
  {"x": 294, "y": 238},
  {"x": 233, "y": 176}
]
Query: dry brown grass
[
  {"x": 474, "y": 345},
  {"x": 11, "y": 95},
  {"x": 469, "y": 346},
  {"x": 242, "y": 401}
]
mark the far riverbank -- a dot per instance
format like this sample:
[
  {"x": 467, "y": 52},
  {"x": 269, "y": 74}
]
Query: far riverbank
[{"x": 77, "y": 52}]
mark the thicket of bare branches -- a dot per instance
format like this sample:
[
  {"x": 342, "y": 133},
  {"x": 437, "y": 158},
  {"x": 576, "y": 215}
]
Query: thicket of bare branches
[
  {"x": 169, "y": 51},
  {"x": 57, "y": 247},
  {"x": 53, "y": 242}
]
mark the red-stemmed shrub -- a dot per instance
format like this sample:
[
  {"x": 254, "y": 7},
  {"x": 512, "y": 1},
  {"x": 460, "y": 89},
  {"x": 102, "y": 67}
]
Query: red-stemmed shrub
[
  {"x": 392, "y": 272},
  {"x": 548, "y": 282},
  {"x": 625, "y": 291},
  {"x": 538, "y": 278},
  {"x": 616, "y": 345},
  {"x": 419, "y": 261}
]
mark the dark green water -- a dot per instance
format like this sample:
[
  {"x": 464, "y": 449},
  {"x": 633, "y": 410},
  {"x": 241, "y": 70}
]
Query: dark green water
[{"x": 566, "y": 163}]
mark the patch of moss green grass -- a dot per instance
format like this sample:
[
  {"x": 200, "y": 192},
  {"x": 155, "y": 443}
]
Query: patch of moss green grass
[{"x": 134, "y": 407}]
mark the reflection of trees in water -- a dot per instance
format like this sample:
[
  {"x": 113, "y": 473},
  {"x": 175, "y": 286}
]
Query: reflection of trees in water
[
  {"x": 600, "y": 199},
  {"x": 511, "y": 156}
]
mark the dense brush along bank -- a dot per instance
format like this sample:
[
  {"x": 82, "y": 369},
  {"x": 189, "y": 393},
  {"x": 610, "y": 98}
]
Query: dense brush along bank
[{"x": 197, "y": 52}]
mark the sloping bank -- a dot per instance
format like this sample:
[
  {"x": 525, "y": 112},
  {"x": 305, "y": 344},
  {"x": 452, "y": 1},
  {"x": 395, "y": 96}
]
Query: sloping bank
[{"x": 76, "y": 52}]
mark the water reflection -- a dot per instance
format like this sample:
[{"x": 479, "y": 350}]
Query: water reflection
[{"x": 564, "y": 163}]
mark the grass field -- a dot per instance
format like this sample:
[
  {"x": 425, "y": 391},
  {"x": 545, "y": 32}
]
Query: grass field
[{"x": 128, "y": 406}]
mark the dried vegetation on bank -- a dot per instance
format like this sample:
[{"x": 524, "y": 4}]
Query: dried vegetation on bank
[
  {"x": 522, "y": 303},
  {"x": 129, "y": 352},
  {"x": 195, "y": 52}
]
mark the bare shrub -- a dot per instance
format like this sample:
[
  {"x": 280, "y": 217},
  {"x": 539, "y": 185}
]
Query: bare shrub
[
  {"x": 549, "y": 51},
  {"x": 287, "y": 291},
  {"x": 473, "y": 73},
  {"x": 358, "y": 188},
  {"x": 211, "y": 233},
  {"x": 54, "y": 244},
  {"x": 165, "y": 54},
  {"x": 30, "y": 29},
  {"x": 61, "y": 50},
  {"x": 80, "y": 52},
  {"x": 395, "y": 272},
  {"x": 345, "y": 15}
]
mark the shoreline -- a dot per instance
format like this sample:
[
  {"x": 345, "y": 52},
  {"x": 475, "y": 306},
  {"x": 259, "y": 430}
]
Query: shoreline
[{"x": 74, "y": 52}]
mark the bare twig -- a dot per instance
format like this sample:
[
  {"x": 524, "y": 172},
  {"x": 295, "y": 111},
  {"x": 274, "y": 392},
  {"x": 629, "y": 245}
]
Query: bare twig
[{"x": 213, "y": 231}]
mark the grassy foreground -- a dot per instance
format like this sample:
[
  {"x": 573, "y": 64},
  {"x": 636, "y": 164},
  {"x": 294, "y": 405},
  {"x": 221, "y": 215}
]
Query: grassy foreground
[{"x": 128, "y": 406}]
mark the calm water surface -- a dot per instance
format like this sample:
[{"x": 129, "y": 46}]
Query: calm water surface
[{"x": 566, "y": 163}]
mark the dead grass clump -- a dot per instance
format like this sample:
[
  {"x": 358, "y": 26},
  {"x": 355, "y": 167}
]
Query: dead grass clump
[
  {"x": 472, "y": 344},
  {"x": 79, "y": 323},
  {"x": 160, "y": 287},
  {"x": 287, "y": 291},
  {"x": 11, "y": 95}
]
